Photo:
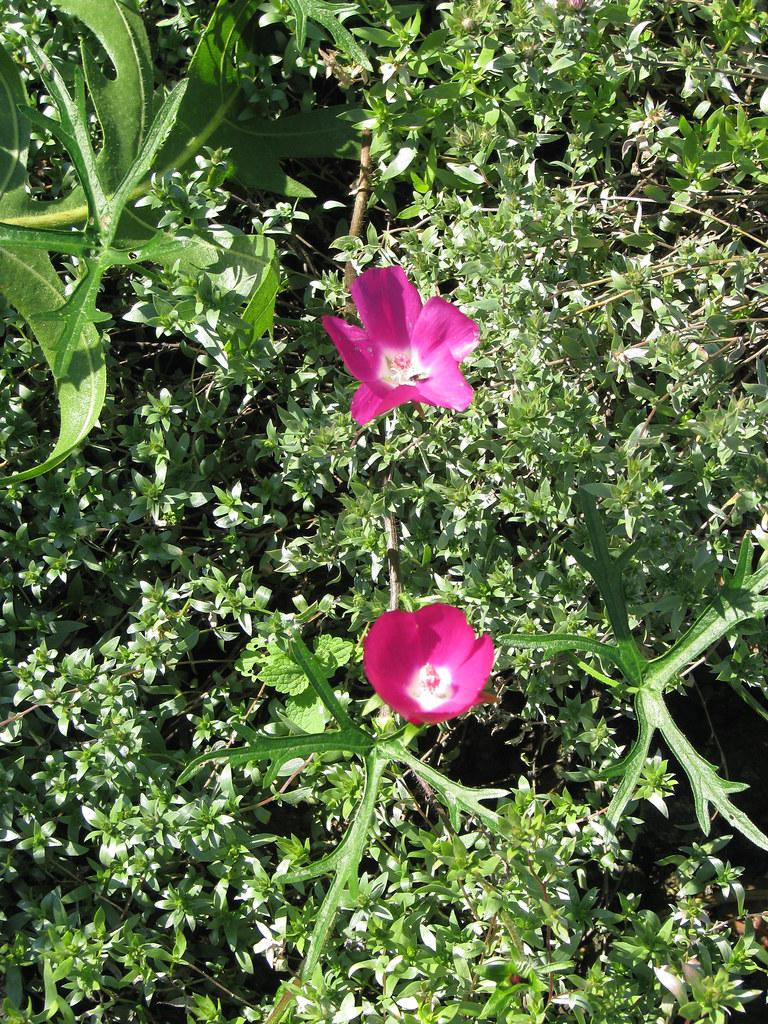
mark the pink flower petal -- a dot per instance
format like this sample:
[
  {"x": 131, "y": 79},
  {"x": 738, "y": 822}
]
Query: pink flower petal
[
  {"x": 355, "y": 348},
  {"x": 402, "y": 644},
  {"x": 445, "y": 386},
  {"x": 388, "y": 305},
  {"x": 392, "y": 655},
  {"x": 441, "y": 325},
  {"x": 475, "y": 670},
  {"x": 407, "y": 352},
  {"x": 406, "y": 707},
  {"x": 372, "y": 399},
  {"x": 468, "y": 680},
  {"x": 446, "y": 634}
]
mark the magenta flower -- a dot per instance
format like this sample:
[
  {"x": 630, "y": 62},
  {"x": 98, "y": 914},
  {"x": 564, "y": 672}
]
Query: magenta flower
[
  {"x": 427, "y": 665},
  {"x": 405, "y": 351}
]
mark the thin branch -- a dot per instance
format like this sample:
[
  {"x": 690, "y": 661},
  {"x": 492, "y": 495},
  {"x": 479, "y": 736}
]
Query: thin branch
[
  {"x": 355, "y": 231},
  {"x": 290, "y": 993},
  {"x": 21, "y": 714},
  {"x": 393, "y": 561},
  {"x": 725, "y": 223},
  {"x": 286, "y": 784},
  {"x": 393, "y": 551},
  {"x": 222, "y": 988},
  {"x": 361, "y": 202}
]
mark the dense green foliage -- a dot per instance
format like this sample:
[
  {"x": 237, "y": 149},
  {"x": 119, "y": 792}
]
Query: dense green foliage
[{"x": 588, "y": 182}]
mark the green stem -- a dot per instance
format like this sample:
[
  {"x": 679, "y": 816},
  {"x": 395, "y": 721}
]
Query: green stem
[
  {"x": 633, "y": 764},
  {"x": 314, "y": 673},
  {"x": 354, "y": 844},
  {"x": 727, "y": 611},
  {"x": 607, "y": 576},
  {"x": 375, "y": 763},
  {"x": 708, "y": 788},
  {"x": 73, "y": 243}
]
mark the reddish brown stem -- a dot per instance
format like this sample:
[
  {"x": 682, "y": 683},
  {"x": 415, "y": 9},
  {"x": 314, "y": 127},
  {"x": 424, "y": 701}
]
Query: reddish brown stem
[
  {"x": 361, "y": 202},
  {"x": 393, "y": 561}
]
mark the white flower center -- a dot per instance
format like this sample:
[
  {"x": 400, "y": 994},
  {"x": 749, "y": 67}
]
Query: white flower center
[
  {"x": 431, "y": 687},
  {"x": 402, "y": 368}
]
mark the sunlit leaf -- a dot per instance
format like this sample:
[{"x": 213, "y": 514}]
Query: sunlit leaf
[
  {"x": 279, "y": 749},
  {"x": 33, "y": 287},
  {"x": 327, "y": 15}
]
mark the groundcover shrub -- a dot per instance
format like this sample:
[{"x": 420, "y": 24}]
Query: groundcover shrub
[{"x": 198, "y": 538}]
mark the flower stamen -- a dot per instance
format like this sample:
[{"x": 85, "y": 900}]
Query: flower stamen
[
  {"x": 402, "y": 368},
  {"x": 431, "y": 686}
]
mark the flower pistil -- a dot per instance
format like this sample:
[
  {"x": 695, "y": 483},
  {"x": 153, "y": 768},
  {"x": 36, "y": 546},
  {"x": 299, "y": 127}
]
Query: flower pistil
[
  {"x": 431, "y": 686},
  {"x": 401, "y": 368}
]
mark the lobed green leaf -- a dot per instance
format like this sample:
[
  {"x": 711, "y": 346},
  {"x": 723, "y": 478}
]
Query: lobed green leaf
[
  {"x": 33, "y": 287},
  {"x": 278, "y": 749}
]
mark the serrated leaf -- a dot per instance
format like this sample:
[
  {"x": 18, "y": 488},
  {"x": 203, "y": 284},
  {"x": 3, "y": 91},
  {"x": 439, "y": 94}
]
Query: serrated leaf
[
  {"x": 315, "y": 673},
  {"x": 720, "y": 617},
  {"x": 73, "y": 316},
  {"x": 123, "y": 100},
  {"x": 282, "y": 673},
  {"x": 456, "y": 798},
  {"x": 740, "y": 599},
  {"x": 14, "y": 128},
  {"x": 162, "y": 125},
  {"x": 631, "y": 767},
  {"x": 237, "y": 263},
  {"x": 279, "y": 749},
  {"x": 211, "y": 113},
  {"x": 307, "y": 711},
  {"x": 72, "y": 129},
  {"x": 607, "y": 575},
  {"x": 250, "y": 658},
  {"x": 556, "y": 643},
  {"x": 286, "y": 674},
  {"x": 322, "y": 866},
  {"x": 347, "y": 863},
  {"x": 708, "y": 788},
  {"x": 333, "y": 652},
  {"x": 325, "y": 14},
  {"x": 74, "y": 243},
  {"x": 249, "y": 266}
]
